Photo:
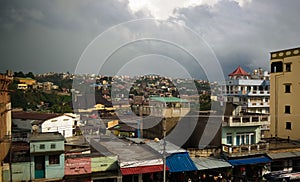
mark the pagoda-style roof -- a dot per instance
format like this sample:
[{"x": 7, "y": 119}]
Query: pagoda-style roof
[{"x": 239, "y": 72}]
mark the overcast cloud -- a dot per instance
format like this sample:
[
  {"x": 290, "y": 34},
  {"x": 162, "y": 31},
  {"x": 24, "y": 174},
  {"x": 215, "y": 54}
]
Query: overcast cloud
[{"x": 43, "y": 36}]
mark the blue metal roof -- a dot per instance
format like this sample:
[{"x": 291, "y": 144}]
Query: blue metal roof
[
  {"x": 180, "y": 162},
  {"x": 253, "y": 160}
]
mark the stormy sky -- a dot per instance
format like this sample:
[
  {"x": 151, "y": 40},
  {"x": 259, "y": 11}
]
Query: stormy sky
[{"x": 57, "y": 36}]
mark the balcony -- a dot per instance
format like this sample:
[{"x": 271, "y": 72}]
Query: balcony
[
  {"x": 236, "y": 93},
  {"x": 258, "y": 104},
  {"x": 237, "y": 121},
  {"x": 164, "y": 112},
  {"x": 245, "y": 150},
  {"x": 259, "y": 93}
]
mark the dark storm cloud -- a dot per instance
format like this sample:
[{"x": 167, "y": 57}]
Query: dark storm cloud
[
  {"x": 42, "y": 36},
  {"x": 245, "y": 35}
]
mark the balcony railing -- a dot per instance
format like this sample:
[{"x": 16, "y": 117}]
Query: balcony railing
[
  {"x": 207, "y": 152},
  {"x": 245, "y": 150},
  {"x": 259, "y": 92},
  {"x": 258, "y": 104},
  {"x": 245, "y": 120},
  {"x": 165, "y": 112}
]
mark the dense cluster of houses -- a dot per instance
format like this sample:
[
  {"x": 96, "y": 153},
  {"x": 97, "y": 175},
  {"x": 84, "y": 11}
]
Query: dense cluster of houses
[{"x": 254, "y": 138}]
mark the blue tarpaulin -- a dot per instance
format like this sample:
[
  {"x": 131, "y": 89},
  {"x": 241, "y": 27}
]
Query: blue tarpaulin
[
  {"x": 180, "y": 162},
  {"x": 252, "y": 160}
]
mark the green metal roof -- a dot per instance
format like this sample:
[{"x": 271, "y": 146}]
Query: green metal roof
[{"x": 167, "y": 99}]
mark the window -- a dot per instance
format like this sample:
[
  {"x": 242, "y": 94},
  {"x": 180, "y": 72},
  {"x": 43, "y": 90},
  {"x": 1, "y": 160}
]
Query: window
[
  {"x": 288, "y": 125},
  {"x": 245, "y": 138},
  {"x": 287, "y": 88},
  {"x": 42, "y": 146},
  {"x": 229, "y": 138},
  {"x": 276, "y": 67},
  {"x": 53, "y": 159},
  {"x": 287, "y": 109},
  {"x": 288, "y": 67},
  {"x": 53, "y": 146},
  {"x": 66, "y": 120},
  {"x": 53, "y": 120},
  {"x": 266, "y": 87}
]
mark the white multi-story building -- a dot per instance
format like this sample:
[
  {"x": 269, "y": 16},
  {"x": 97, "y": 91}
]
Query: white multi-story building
[
  {"x": 250, "y": 92},
  {"x": 247, "y": 108}
]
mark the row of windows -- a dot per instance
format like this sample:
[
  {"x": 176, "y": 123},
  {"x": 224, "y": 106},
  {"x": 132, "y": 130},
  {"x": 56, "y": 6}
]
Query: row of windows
[
  {"x": 52, "y": 146},
  {"x": 248, "y": 88},
  {"x": 54, "y": 120},
  {"x": 241, "y": 138},
  {"x": 278, "y": 67}
]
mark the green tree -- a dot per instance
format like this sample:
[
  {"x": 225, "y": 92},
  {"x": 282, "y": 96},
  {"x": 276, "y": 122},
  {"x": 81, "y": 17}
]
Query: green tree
[
  {"x": 30, "y": 75},
  {"x": 19, "y": 74}
]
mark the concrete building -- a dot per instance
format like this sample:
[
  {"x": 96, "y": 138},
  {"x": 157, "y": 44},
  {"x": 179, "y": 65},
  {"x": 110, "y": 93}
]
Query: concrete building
[
  {"x": 47, "y": 155},
  {"x": 245, "y": 119},
  {"x": 247, "y": 109},
  {"x": 46, "y": 122},
  {"x": 284, "y": 101},
  {"x": 5, "y": 117}
]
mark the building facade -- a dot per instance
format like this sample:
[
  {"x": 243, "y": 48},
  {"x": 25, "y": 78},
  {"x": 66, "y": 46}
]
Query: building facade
[
  {"x": 5, "y": 117},
  {"x": 247, "y": 107},
  {"x": 284, "y": 101},
  {"x": 244, "y": 122},
  {"x": 47, "y": 155}
]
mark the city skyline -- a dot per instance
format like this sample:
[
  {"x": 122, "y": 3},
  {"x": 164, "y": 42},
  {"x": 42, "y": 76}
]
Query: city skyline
[{"x": 41, "y": 36}]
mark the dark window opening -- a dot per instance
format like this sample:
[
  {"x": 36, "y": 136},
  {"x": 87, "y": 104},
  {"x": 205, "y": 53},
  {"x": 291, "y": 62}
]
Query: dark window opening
[
  {"x": 288, "y": 67},
  {"x": 276, "y": 67},
  {"x": 287, "y": 109},
  {"x": 287, "y": 88},
  {"x": 53, "y": 159},
  {"x": 288, "y": 125}
]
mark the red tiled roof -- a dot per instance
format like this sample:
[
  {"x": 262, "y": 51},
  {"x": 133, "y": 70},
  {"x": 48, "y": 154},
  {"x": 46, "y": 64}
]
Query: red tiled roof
[
  {"x": 142, "y": 169},
  {"x": 239, "y": 72},
  {"x": 33, "y": 115}
]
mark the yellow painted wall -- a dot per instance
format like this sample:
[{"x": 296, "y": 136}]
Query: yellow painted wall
[{"x": 279, "y": 98}]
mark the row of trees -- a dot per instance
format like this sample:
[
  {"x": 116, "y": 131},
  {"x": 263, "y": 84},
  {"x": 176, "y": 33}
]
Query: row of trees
[
  {"x": 41, "y": 101},
  {"x": 24, "y": 75}
]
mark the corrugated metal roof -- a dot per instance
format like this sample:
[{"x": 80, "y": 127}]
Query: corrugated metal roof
[
  {"x": 49, "y": 136},
  {"x": 283, "y": 155},
  {"x": 142, "y": 169},
  {"x": 203, "y": 163},
  {"x": 127, "y": 151},
  {"x": 158, "y": 146},
  {"x": 33, "y": 115},
  {"x": 180, "y": 162}
]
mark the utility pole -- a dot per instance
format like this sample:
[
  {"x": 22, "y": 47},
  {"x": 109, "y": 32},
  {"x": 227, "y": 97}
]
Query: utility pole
[{"x": 164, "y": 147}]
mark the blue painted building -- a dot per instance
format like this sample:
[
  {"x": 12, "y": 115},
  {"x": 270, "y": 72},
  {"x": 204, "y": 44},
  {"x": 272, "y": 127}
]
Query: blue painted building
[{"x": 47, "y": 155}]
